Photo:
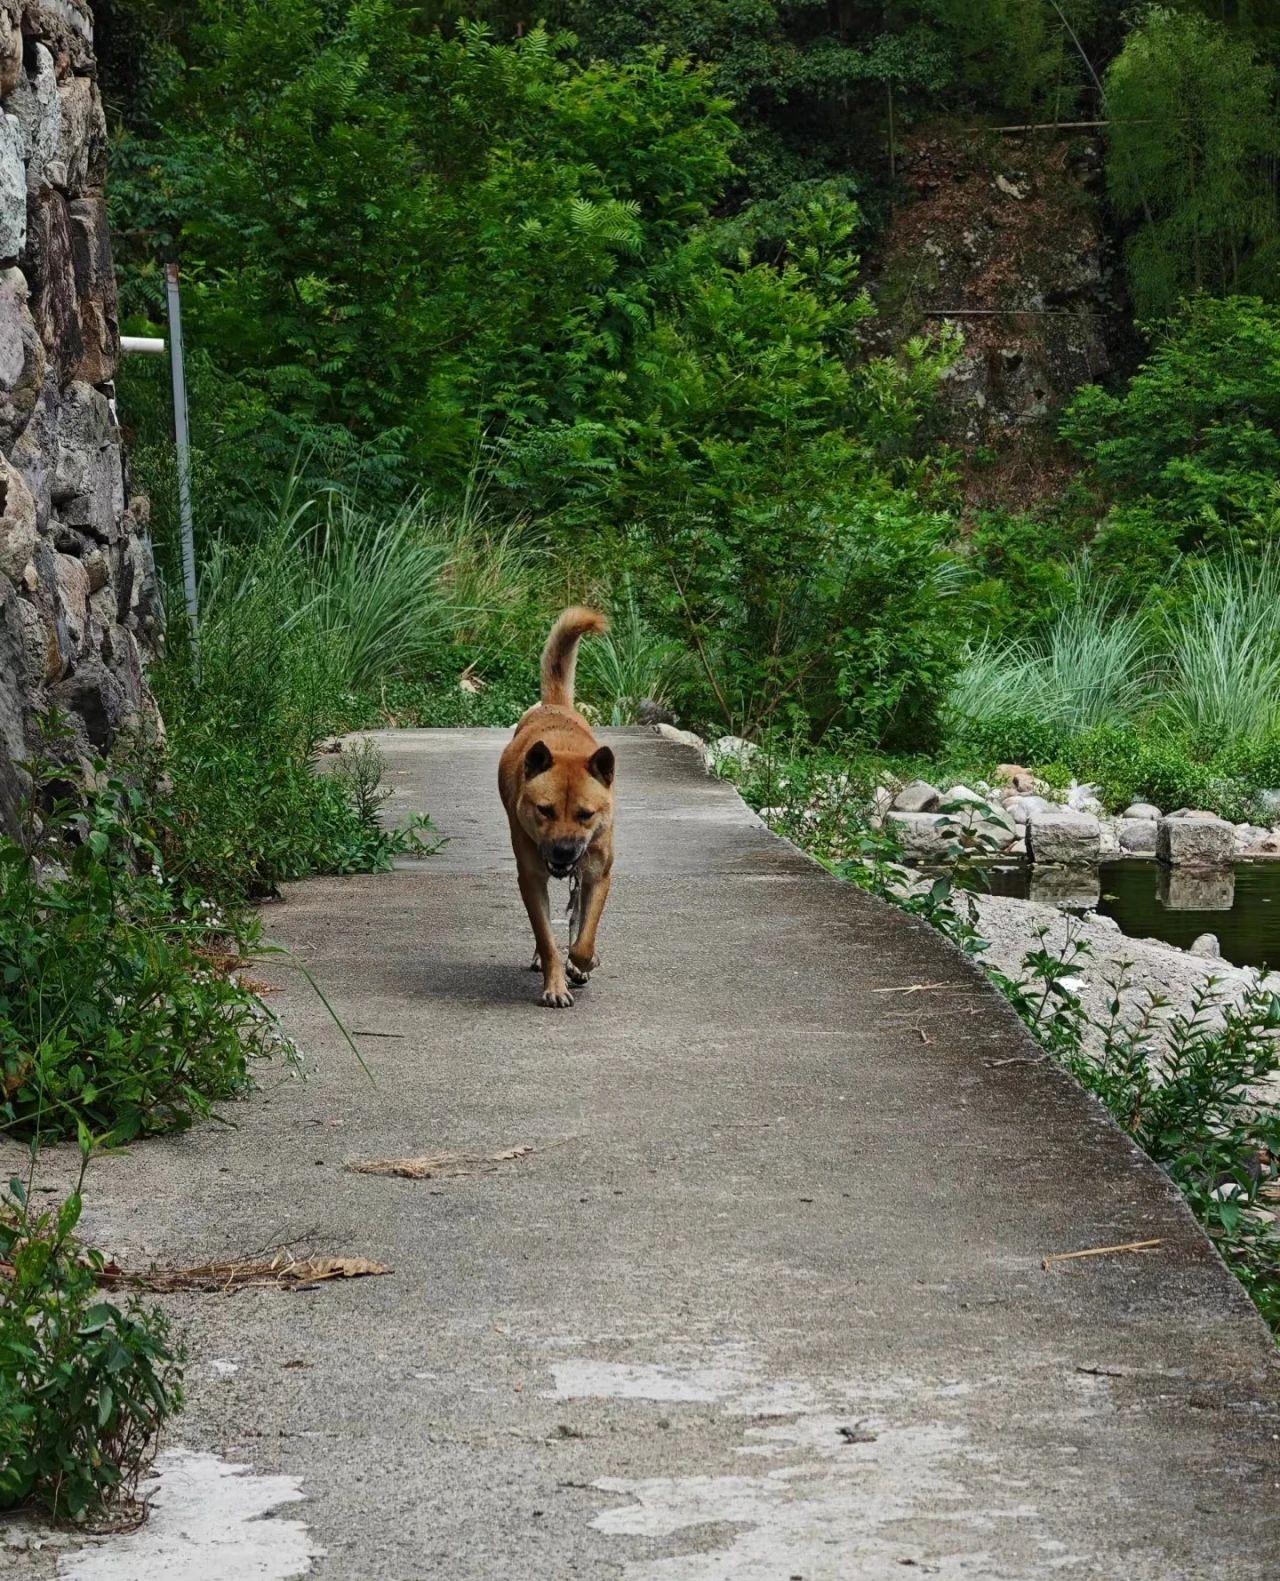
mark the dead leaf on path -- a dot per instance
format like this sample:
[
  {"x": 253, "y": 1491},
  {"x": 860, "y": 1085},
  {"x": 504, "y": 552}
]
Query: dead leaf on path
[
  {"x": 281, "y": 1273},
  {"x": 442, "y": 1165}
]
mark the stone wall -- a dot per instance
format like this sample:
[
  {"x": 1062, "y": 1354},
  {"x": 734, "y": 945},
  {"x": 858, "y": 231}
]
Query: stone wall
[{"x": 78, "y": 611}]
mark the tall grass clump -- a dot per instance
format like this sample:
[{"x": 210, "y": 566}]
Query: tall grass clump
[
  {"x": 1090, "y": 668},
  {"x": 1224, "y": 650},
  {"x": 245, "y": 716},
  {"x": 631, "y": 662}
]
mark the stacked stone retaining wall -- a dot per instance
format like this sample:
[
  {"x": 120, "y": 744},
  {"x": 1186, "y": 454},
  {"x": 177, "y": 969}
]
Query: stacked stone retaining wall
[{"x": 78, "y": 609}]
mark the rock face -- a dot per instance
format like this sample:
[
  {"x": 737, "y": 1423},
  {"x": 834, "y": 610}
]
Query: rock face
[
  {"x": 1002, "y": 241},
  {"x": 79, "y": 612}
]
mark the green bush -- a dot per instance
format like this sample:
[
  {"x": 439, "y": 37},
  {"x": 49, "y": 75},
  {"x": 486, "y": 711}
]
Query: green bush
[
  {"x": 113, "y": 1009},
  {"x": 1192, "y": 445},
  {"x": 85, "y": 1386},
  {"x": 247, "y": 810}
]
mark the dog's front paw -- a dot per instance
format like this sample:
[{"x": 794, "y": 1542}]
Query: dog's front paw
[
  {"x": 579, "y": 971},
  {"x": 556, "y": 999}
]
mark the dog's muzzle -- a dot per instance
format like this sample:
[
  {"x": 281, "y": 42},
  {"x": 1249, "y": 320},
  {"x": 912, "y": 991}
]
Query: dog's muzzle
[{"x": 562, "y": 857}]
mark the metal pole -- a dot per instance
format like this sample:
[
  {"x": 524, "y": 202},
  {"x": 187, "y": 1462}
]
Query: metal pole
[{"x": 183, "y": 436}]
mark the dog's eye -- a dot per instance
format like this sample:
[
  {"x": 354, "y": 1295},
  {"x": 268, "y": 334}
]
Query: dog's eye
[
  {"x": 546, "y": 812},
  {"x": 585, "y": 815}
]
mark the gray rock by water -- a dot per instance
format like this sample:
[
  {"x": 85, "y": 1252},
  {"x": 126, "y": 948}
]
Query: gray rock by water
[
  {"x": 1023, "y": 807},
  {"x": 1137, "y": 836},
  {"x": 1195, "y": 841},
  {"x": 918, "y": 796},
  {"x": 1206, "y": 945},
  {"x": 922, "y": 835},
  {"x": 1072, "y": 838},
  {"x": 1145, "y": 810}
]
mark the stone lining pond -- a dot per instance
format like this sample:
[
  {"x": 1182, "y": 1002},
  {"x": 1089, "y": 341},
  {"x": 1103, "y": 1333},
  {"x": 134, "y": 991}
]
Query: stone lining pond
[{"x": 1239, "y": 905}]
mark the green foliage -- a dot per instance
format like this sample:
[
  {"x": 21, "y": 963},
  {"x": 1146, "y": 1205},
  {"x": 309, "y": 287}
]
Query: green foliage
[
  {"x": 1193, "y": 442},
  {"x": 1024, "y": 567},
  {"x": 1187, "y": 1087},
  {"x": 1225, "y": 651},
  {"x": 1091, "y": 667},
  {"x": 501, "y": 219},
  {"x": 85, "y": 1385},
  {"x": 247, "y": 810},
  {"x": 1192, "y": 139},
  {"x": 113, "y": 1010},
  {"x": 629, "y": 663}
]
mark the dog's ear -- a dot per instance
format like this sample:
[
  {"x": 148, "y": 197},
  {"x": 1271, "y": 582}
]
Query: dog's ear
[
  {"x": 601, "y": 765},
  {"x": 537, "y": 760}
]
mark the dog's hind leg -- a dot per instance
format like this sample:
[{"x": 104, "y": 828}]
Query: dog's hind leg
[
  {"x": 582, "y": 954},
  {"x": 555, "y": 990}
]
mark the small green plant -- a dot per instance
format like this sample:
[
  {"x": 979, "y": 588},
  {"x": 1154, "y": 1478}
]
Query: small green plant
[
  {"x": 360, "y": 770},
  {"x": 85, "y": 1384},
  {"x": 118, "y": 1007}
]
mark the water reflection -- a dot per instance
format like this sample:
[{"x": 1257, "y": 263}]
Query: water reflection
[
  {"x": 1241, "y": 905},
  {"x": 1196, "y": 889}
]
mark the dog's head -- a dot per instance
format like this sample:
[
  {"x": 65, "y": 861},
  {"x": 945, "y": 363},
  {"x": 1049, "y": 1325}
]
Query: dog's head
[{"x": 564, "y": 803}]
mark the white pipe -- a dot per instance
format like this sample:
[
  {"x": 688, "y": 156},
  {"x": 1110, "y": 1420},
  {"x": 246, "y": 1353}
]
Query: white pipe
[{"x": 142, "y": 343}]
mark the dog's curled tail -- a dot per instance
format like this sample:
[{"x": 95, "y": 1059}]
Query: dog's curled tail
[{"x": 560, "y": 656}]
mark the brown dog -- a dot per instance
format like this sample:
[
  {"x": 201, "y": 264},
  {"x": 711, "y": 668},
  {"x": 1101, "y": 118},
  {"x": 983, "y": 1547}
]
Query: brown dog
[{"x": 556, "y": 783}]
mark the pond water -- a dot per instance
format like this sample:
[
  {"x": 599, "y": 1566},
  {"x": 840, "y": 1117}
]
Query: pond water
[{"x": 1240, "y": 905}]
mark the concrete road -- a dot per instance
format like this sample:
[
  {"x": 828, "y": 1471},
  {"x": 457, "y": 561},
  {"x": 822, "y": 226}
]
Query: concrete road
[{"x": 765, "y": 1300}]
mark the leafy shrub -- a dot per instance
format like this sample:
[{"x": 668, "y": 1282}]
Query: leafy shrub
[
  {"x": 112, "y": 1009},
  {"x": 1193, "y": 442},
  {"x": 85, "y": 1386}
]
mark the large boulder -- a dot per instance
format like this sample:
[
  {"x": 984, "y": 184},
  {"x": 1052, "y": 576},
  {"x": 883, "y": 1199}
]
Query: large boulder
[
  {"x": 923, "y": 836},
  {"x": 1071, "y": 838},
  {"x": 918, "y": 796},
  {"x": 1137, "y": 836},
  {"x": 1195, "y": 841}
]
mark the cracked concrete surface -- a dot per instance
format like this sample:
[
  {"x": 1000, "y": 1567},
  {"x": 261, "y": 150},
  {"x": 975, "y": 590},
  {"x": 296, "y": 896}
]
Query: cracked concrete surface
[{"x": 765, "y": 1302}]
